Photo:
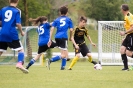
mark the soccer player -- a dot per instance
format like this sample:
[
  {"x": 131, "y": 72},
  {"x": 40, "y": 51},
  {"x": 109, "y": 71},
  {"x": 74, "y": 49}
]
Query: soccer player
[
  {"x": 126, "y": 48},
  {"x": 10, "y": 17},
  {"x": 62, "y": 23},
  {"x": 78, "y": 40},
  {"x": 44, "y": 34}
]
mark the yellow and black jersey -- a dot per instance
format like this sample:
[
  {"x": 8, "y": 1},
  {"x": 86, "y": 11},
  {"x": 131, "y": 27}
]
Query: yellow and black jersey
[
  {"x": 128, "y": 21},
  {"x": 79, "y": 34}
]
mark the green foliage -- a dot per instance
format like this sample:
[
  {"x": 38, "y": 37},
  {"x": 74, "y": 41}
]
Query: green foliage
[{"x": 103, "y": 9}]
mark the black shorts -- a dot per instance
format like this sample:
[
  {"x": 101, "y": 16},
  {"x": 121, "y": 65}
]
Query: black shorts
[
  {"x": 45, "y": 47},
  {"x": 62, "y": 43},
  {"x": 14, "y": 45},
  {"x": 128, "y": 42},
  {"x": 83, "y": 49}
]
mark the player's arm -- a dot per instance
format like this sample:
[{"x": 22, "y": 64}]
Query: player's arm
[
  {"x": 50, "y": 37},
  {"x": 20, "y": 28},
  {"x": 130, "y": 21},
  {"x": 72, "y": 39},
  {"x": 130, "y": 30},
  {"x": 89, "y": 38}
]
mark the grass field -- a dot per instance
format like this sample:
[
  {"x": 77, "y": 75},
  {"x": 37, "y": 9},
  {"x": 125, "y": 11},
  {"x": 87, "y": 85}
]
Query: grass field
[{"x": 82, "y": 76}]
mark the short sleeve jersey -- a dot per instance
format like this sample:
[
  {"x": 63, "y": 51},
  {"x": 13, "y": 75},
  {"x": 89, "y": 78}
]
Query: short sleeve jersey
[
  {"x": 79, "y": 34},
  {"x": 9, "y": 16},
  {"x": 128, "y": 21},
  {"x": 62, "y": 23},
  {"x": 43, "y": 33}
]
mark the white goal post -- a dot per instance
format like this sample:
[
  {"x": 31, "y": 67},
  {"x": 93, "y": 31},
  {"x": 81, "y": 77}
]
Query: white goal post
[{"x": 109, "y": 42}]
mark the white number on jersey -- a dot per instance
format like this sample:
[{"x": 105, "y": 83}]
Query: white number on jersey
[
  {"x": 8, "y": 15},
  {"x": 62, "y": 21},
  {"x": 40, "y": 30}
]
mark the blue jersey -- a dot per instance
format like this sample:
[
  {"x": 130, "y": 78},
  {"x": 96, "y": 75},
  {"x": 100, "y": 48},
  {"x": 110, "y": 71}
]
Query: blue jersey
[
  {"x": 43, "y": 33},
  {"x": 62, "y": 23},
  {"x": 9, "y": 16}
]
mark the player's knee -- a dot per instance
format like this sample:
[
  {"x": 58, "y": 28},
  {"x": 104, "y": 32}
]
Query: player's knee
[
  {"x": 78, "y": 55},
  {"x": 89, "y": 54},
  {"x": 129, "y": 53},
  {"x": 122, "y": 49}
]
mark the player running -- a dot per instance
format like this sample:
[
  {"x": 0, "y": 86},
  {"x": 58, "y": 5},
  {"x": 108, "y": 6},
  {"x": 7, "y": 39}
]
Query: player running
[
  {"x": 62, "y": 23},
  {"x": 44, "y": 34},
  {"x": 79, "y": 42},
  {"x": 10, "y": 17}
]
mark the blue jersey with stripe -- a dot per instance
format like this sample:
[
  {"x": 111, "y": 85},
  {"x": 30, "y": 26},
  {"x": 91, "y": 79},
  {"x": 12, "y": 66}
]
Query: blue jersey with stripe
[
  {"x": 10, "y": 16},
  {"x": 43, "y": 33},
  {"x": 62, "y": 23}
]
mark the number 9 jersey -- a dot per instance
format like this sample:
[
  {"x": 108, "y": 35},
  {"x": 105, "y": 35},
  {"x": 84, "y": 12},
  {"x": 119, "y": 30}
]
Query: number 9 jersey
[{"x": 10, "y": 16}]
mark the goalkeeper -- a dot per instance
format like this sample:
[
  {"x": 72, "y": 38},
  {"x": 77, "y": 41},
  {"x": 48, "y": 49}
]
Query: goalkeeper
[{"x": 79, "y": 42}]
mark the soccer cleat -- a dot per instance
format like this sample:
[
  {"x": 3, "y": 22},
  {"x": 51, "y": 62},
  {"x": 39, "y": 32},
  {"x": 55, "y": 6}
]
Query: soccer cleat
[
  {"x": 69, "y": 68},
  {"x": 62, "y": 68},
  {"x": 48, "y": 63},
  {"x": 125, "y": 69},
  {"x": 20, "y": 66}
]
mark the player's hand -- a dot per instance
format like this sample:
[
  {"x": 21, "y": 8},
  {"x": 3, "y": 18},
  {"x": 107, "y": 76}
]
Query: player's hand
[
  {"x": 93, "y": 44},
  {"x": 22, "y": 33},
  {"x": 30, "y": 19},
  {"x": 76, "y": 46},
  {"x": 49, "y": 43},
  {"x": 122, "y": 33}
]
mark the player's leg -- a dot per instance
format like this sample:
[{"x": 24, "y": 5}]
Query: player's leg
[
  {"x": 3, "y": 47},
  {"x": 41, "y": 49},
  {"x": 74, "y": 60},
  {"x": 123, "y": 53},
  {"x": 17, "y": 46},
  {"x": 85, "y": 52},
  {"x": 64, "y": 58}
]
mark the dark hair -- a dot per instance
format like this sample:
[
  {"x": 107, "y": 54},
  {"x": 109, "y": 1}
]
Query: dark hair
[
  {"x": 40, "y": 19},
  {"x": 83, "y": 18},
  {"x": 63, "y": 10},
  {"x": 124, "y": 7},
  {"x": 13, "y": 1}
]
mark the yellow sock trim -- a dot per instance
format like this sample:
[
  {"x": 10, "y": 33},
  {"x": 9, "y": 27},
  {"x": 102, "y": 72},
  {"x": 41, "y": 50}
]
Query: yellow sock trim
[
  {"x": 90, "y": 59},
  {"x": 73, "y": 61},
  {"x": 42, "y": 59}
]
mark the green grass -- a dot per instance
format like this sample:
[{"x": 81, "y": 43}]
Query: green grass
[{"x": 82, "y": 76}]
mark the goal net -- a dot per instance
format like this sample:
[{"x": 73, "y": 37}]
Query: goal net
[{"x": 109, "y": 42}]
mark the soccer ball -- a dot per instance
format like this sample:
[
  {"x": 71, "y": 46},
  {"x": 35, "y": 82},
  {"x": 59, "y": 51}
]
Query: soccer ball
[{"x": 98, "y": 67}]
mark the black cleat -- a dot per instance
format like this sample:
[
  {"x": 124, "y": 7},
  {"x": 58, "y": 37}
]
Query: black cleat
[
  {"x": 125, "y": 69},
  {"x": 69, "y": 68},
  {"x": 62, "y": 68}
]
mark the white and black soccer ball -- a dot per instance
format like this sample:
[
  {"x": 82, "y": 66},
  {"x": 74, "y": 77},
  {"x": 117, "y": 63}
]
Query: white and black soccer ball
[{"x": 97, "y": 67}]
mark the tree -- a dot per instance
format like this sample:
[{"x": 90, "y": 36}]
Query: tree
[{"x": 102, "y": 9}]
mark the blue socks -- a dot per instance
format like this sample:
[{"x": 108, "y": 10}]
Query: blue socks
[
  {"x": 56, "y": 58},
  {"x": 63, "y": 64},
  {"x": 20, "y": 56},
  {"x": 32, "y": 61}
]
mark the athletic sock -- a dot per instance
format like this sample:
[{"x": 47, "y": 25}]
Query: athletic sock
[
  {"x": 125, "y": 61},
  {"x": 32, "y": 61},
  {"x": 90, "y": 60},
  {"x": 56, "y": 58},
  {"x": 63, "y": 64},
  {"x": 73, "y": 61},
  {"x": 20, "y": 57}
]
